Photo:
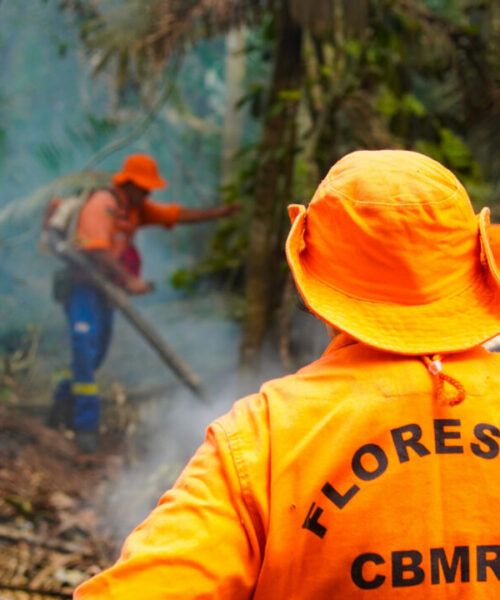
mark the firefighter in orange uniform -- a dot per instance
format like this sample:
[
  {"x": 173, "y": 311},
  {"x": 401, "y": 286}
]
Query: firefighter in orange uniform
[
  {"x": 105, "y": 230},
  {"x": 372, "y": 472}
]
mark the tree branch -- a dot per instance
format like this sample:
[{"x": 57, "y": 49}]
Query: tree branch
[{"x": 141, "y": 127}]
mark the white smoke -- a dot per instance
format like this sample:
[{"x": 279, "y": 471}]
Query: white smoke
[{"x": 174, "y": 426}]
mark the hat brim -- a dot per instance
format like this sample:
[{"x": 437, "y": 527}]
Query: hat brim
[
  {"x": 494, "y": 241},
  {"x": 451, "y": 324},
  {"x": 143, "y": 182}
]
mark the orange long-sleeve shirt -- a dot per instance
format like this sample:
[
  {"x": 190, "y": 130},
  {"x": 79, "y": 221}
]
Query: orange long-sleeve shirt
[
  {"x": 109, "y": 223},
  {"x": 345, "y": 480}
]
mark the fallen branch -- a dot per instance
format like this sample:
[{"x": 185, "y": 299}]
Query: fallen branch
[
  {"x": 28, "y": 590},
  {"x": 56, "y": 563},
  {"x": 120, "y": 300},
  {"x": 35, "y": 540}
]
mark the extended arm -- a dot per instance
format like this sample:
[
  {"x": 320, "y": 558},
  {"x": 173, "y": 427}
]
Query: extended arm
[
  {"x": 196, "y": 215},
  {"x": 154, "y": 213}
]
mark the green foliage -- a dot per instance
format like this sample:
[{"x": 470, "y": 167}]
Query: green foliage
[
  {"x": 224, "y": 260},
  {"x": 451, "y": 151},
  {"x": 226, "y": 255},
  {"x": 290, "y": 95},
  {"x": 62, "y": 49},
  {"x": 50, "y": 156},
  {"x": 421, "y": 77},
  {"x": 390, "y": 104},
  {"x": 254, "y": 98},
  {"x": 389, "y": 87},
  {"x": 94, "y": 132},
  {"x": 454, "y": 10},
  {"x": 417, "y": 74}
]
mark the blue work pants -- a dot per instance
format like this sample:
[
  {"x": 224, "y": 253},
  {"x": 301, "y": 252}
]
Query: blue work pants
[{"x": 90, "y": 324}]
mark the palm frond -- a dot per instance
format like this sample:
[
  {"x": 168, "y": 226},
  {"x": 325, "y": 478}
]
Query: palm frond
[{"x": 138, "y": 38}]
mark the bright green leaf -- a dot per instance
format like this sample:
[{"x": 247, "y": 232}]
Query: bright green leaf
[{"x": 387, "y": 103}]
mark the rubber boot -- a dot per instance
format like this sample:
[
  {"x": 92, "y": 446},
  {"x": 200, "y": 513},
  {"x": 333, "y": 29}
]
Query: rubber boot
[{"x": 61, "y": 411}]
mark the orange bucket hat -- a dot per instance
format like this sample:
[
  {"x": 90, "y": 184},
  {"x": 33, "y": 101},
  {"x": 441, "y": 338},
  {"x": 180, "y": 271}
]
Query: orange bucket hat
[
  {"x": 142, "y": 170},
  {"x": 391, "y": 252}
]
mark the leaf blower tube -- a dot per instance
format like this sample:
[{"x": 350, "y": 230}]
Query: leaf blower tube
[{"x": 120, "y": 300}]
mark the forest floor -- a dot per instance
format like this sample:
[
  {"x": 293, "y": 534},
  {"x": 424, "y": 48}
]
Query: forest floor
[{"x": 50, "y": 494}]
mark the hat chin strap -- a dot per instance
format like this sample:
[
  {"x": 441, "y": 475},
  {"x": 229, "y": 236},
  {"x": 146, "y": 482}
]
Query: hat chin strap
[
  {"x": 435, "y": 368},
  {"x": 434, "y": 363}
]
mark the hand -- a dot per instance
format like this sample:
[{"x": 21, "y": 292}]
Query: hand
[{"x": 137, "y": 286}]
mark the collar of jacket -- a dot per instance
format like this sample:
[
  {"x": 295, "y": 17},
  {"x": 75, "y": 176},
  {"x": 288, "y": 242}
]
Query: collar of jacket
[{"x": 339, "y": 341}]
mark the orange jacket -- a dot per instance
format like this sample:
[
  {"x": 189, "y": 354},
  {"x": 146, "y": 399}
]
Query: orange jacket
[
  {"x": 109, "y": 224},
  {"x": 345, "y": 480}
]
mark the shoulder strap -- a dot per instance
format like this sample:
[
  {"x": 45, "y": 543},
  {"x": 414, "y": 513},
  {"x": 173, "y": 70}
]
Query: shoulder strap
[{"x": 75, "y": 214}]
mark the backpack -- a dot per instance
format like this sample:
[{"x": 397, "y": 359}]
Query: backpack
[
  {"x": 61, "y": 216},
  {"x": 60, "y": 222}
]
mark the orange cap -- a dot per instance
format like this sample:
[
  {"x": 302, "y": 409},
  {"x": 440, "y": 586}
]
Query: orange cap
[
  {"x": 390, "y": 251},
  {"x": 142, "y": 170}
]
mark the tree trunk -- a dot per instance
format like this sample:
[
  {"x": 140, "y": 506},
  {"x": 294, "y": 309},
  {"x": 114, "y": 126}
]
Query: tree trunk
[
  {"x": 273, "y": 179},
  {"x": 232, "y": 131}
]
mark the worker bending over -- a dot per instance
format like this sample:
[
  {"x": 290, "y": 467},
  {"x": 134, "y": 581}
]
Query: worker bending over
[{"x": 106, "y": 226}]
